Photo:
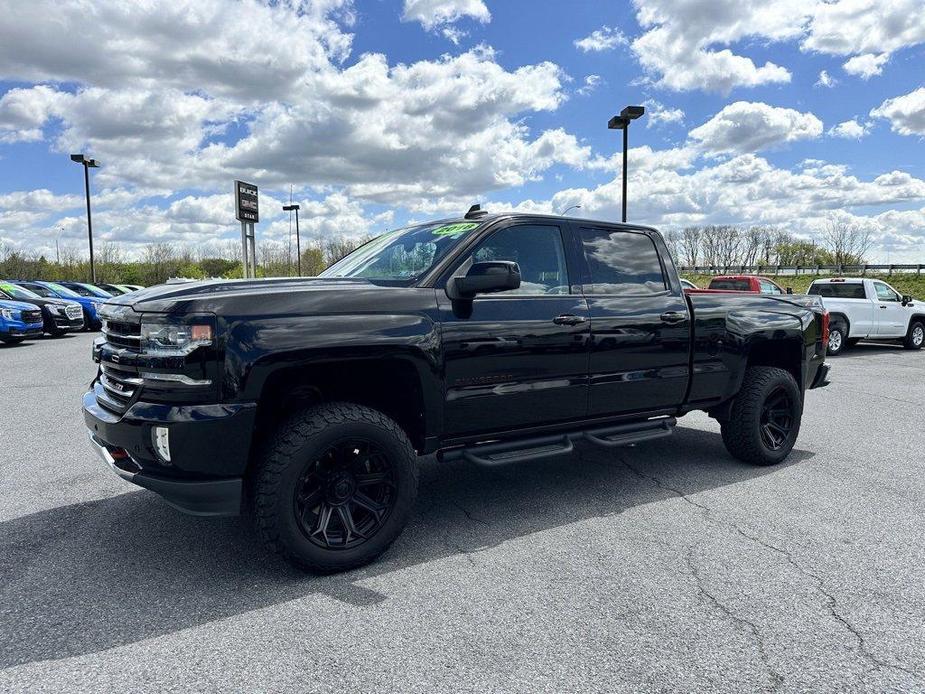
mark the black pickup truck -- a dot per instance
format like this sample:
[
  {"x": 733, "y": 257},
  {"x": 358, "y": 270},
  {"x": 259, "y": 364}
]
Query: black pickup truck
[{"x": 493, "y": 338}]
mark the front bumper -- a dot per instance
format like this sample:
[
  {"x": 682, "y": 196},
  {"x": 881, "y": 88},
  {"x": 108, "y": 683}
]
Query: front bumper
[
  {"x": 209, "y": 450},
  {"x": 22, "y": 330},
  {"x": 65, "y": 323},
  {"x": 197, "y": 497}
]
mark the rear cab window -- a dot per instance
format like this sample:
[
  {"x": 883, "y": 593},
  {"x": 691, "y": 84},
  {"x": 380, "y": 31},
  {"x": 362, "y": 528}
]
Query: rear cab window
[
  {"x": 838, "y": 290},
  {"x": 736, "y": 285}
]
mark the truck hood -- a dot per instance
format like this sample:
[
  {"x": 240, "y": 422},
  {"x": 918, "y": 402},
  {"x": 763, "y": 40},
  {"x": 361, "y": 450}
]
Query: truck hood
[
  {"x": 16, "y": 305},
  {"x": 302, "y": 294}
]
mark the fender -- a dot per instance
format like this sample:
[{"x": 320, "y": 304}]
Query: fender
[{"x": 259, "y": 348}]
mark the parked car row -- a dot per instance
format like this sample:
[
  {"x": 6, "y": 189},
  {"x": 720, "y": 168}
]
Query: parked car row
[
  {"x": 30, "y": 308},
  {"x": 860, "y": 308}
]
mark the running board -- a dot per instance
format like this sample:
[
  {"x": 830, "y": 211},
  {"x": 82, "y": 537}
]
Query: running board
[{"x": 537, "y": 448}]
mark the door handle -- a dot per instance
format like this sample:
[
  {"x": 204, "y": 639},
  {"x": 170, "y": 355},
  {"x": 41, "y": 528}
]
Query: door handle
[
  {"x": 569, "y": 319},
  {"x": 883, "y": 307},
  {"x": 673, "y": 317}
]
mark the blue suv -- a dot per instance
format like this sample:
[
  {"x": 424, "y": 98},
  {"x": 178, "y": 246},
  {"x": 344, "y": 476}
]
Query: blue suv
[
  {"x": 90, "y": 304},
  {"x": 18, "y": 321}
]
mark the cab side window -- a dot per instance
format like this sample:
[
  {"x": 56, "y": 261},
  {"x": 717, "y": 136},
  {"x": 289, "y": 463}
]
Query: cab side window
[
  {"x": 768, "y": 287},
  {"x": 622, "y": 262},
  {"x": 538, "y": 251},
  {"x": 884, "y": 293}
]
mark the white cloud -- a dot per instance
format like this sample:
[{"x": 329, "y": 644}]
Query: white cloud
[
  {"x": 679, "y": 47},
  {"x": 825, "y": 80},
  {"x": 604, "y": 39},
  {"x": 746, "y": 126},
  {"x": 698, "y": 44},
  {"x": 591, "y": 83},
  {"x": 850, "y": 129},
  {"x": 436, "y": 13},
  {"x": 858, "y": 27},
  {"x": 659, "y": 114},
  {"x": 249, "y": 50},
  {"x": 453, "y": 34},
  {"x": 24, "y": 111},
  {"x": 906, "y": 113},
  {"x": 866, "y": 66}
]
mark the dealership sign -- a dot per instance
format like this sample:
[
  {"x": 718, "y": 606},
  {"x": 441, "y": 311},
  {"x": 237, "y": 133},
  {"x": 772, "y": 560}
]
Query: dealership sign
[{"x": 245, "y": 202}]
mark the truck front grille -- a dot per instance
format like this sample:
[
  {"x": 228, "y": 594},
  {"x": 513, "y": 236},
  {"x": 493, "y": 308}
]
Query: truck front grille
[
  {"x": 73, "y": 311},
  {"x": 119, "y": 386},
  {"x": 123, "y": 335}
]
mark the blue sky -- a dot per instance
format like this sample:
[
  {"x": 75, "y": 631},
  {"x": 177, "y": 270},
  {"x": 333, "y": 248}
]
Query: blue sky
[{"x": 378, "y": 112}]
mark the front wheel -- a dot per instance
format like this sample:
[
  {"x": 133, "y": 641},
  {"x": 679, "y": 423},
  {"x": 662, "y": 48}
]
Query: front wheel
[
  {"x": 334, "y": 487},
  {"x": 916, "y": 336},
  {"x": 765, "y": 418}
]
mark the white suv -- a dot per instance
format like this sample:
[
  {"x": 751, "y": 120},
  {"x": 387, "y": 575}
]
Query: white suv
[{"x": 865, "y": 309}]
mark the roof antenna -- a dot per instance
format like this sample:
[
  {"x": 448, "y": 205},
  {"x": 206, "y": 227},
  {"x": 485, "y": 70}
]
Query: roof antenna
[{"x": 475, "y": 212}]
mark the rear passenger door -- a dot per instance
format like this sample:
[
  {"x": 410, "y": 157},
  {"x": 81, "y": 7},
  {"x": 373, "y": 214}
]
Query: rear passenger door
[{"x": 640, "y": 323}]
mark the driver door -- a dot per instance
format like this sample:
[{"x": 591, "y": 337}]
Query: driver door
[{"x": 520, "y": 357}]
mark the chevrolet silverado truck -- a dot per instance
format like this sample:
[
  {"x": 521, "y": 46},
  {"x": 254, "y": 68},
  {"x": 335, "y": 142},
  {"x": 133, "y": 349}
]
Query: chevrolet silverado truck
[
  {"x": 866, "y": 309},
  {"x": 496, "y": 339}
]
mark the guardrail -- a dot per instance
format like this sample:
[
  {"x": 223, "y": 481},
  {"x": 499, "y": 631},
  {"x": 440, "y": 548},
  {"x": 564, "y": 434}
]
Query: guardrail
[{"x": 800, "y": 269}]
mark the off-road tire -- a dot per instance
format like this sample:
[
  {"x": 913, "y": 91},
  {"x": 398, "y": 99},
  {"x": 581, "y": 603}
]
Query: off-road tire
[
  {"x": 916, "y": 335},
  {"x": 742, "y": 432},
  {"x": 287, "y": 455}
]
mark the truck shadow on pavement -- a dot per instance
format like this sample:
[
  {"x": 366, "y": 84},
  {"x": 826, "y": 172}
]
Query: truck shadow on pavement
[{"x": 87, "y": 577}]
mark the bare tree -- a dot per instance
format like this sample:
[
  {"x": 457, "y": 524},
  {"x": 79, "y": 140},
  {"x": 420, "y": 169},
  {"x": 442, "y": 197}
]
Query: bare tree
[
  {"x": 673, "y": 242},
  {"x": 690, "y": 245},
  {"x": 848, "y": 243}
]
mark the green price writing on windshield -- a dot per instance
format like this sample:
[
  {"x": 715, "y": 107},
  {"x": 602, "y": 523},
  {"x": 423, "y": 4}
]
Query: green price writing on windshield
[{"x": 455, "y": 229}]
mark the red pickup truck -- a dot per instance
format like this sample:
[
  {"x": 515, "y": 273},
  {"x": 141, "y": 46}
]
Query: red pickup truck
[{"x": 742, "y": 283}]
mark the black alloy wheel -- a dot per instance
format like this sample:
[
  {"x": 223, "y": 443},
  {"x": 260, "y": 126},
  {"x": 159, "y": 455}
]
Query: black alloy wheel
[
  {"x": 777, "y": 419},
  {"x": 345, "y": 496}
]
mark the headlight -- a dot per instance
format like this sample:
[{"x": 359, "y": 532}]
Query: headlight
[
  {"x": 166, "y": 337},
  {"x": 9, "y": 313},
  {"x": 54, "y": 309}
]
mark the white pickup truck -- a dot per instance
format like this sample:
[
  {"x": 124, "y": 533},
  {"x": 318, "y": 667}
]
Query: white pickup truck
[{"x": 865, "y": 309}]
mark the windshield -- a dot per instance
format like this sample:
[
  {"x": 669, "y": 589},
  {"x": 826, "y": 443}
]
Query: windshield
[
  {"x": 92, "y": 291},
  {"x": 61, "y": 290},
  {"x": 401, "y": 256},
  {"x": 14, "y": 292}
]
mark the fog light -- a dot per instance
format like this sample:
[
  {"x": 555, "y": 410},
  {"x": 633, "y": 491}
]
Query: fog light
[{"x": 160, "y": 436}]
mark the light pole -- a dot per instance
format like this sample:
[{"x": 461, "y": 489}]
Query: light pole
[
  {"x": 570, "y": 207},
  {"x": 298, "y": 249},
  {"x": 87, "y": 164},
  {"x": 622, "y": 122}
]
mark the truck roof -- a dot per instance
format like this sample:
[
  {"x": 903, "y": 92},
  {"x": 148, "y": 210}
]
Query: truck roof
[
  {"x": 494, "y": 216},
  {"x": 839, "y": 280}
]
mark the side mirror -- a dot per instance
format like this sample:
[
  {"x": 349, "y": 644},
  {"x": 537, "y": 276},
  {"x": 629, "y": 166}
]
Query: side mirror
[
  {"x": 485, "y": 278},
  {"x": 790, "y": 290},
  {"x": 906, "y": 299}
]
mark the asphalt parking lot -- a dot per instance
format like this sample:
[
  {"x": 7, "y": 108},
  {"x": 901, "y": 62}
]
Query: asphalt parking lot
[{"x": 663, "y": 567}]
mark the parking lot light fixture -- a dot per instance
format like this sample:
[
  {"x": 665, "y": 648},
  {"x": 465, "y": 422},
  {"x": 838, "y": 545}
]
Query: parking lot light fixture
[
  {"x": 298, "y": 249},
  {"x": 622, "y": 122},
  {"x": 88, "y": 164}
]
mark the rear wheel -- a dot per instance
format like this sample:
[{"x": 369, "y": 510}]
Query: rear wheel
[
  {"x": 916, "y": 336},
  {"x": 838, "y": 337},
  {"x": 335, "y": 487},
  {"x": 765, "y": 419}
]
